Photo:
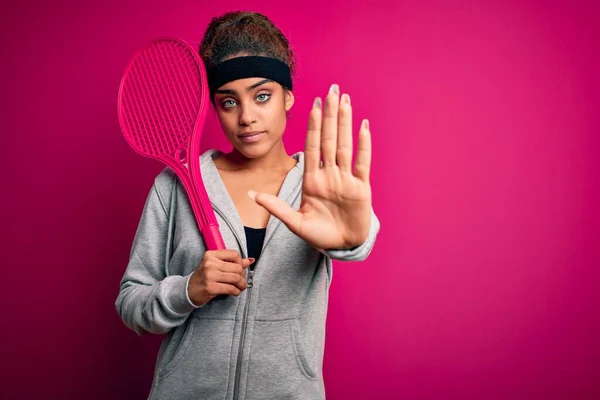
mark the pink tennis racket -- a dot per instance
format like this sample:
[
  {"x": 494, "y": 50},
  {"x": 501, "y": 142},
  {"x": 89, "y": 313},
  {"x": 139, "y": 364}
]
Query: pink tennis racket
[{"x": 163, "y": 99}]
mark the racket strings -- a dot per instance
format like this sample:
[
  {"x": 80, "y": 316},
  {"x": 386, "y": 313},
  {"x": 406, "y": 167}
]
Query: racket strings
[
  {"x": 161, "y": 101},
  {"x": 175, "y": 91},
  {"x": 162, "y": 104}
]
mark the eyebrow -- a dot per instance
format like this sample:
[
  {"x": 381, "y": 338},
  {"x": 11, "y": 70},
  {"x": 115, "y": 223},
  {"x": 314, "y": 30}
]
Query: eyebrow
[{"x": 229, "y": 91}]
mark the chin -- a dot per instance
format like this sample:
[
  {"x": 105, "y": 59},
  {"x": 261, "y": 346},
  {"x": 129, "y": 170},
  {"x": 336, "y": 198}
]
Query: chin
[{"x": 251, "y": 151}]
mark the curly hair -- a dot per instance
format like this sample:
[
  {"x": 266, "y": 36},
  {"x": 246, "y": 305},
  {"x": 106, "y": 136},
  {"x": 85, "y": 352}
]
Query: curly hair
[{"x": 245, "y": 32}]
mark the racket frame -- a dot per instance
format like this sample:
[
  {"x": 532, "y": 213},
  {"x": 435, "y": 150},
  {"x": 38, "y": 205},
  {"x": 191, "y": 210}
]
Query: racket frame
[{"x": 190, "y": 176}]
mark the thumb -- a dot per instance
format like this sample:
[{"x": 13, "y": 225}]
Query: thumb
[
  {"x": 279, "y": 209},
  {"x": 246, "y": 262}
]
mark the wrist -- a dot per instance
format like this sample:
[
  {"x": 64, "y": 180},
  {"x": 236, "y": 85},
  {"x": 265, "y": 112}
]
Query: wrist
[{"x": 188, "y": 293}]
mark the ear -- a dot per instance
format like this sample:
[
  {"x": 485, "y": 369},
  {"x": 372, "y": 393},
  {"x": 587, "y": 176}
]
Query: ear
[{"x": 289, "y": 100}]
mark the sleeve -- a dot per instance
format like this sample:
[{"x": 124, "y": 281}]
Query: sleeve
[
  {"x": 361, "y": 252},
  {"x": 148, "y": 300}
]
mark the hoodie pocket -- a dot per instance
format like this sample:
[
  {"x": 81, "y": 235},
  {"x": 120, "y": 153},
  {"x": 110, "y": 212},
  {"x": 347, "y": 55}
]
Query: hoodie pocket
[
  {"x": 201, "y": 363},
  {"x": 278, "y": 365}
]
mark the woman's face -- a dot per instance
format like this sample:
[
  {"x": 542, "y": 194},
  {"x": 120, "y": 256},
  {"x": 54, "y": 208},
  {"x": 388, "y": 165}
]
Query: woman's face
[{"x": 253, "y": 105}]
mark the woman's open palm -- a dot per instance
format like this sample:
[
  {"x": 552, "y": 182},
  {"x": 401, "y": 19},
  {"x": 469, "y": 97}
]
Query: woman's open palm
[{"x": 335, "y": 209}]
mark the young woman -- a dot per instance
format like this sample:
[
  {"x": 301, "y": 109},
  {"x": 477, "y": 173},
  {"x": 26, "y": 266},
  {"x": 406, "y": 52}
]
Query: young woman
[{"x": 249, "y": 322}]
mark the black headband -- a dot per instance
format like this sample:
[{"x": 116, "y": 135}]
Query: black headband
[{"x": 248, "y": 67}]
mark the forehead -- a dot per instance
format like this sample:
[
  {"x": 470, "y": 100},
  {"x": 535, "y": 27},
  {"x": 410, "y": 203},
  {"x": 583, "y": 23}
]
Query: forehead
[{"x": 244, "y": 85}]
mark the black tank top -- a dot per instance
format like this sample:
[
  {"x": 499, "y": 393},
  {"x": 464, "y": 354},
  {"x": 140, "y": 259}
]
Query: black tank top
[{"x": 254, "y": 241}]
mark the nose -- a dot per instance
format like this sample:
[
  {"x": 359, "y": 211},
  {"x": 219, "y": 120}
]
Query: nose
[{"x": 247, "y": 116}]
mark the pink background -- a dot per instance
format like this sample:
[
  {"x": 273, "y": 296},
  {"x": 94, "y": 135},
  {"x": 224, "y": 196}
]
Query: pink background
[{"x": 484, "y": 280}]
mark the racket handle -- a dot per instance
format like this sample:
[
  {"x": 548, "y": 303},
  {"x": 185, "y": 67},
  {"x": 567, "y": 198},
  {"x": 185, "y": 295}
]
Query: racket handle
[{"x": 212, "y": 237}]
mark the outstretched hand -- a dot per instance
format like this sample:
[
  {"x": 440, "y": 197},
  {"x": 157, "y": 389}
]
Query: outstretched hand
[{"x": 335, "y": 210}]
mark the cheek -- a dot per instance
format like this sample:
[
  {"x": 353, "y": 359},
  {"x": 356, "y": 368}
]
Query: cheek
[
  {"x": 277, "y": 114},
  {"x": 227, "y": 121},
  {"x": 280, "y": 119}
]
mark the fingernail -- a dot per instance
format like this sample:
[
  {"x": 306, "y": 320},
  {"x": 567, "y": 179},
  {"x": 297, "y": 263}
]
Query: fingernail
[
  {"x": 317, "y": 103},
  {"x": 251, "y": 260},
  {"x": 252, "y": 194},
  {"x": 334, "y": 89},
  {"x": 346, "y": 98},
  {"x": 366, "y": 123}
]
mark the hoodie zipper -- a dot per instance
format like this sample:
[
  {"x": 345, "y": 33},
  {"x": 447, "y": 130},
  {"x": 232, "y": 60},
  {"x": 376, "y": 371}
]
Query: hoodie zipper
[
  {"x": 250, "y": 277},
  {"x": 250, "y": 284},
  {"x": 236, "y": 386}
]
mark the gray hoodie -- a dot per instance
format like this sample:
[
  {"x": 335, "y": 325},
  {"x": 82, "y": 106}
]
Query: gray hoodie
[{"x": 266, "y": 343}]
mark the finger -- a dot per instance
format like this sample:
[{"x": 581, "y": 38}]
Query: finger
[
  {"x": 312, "y": 149},
  {"x": 362, "y": 165},
  {"x": 246, "y": 262},
  {"x": 279, "y": 208},
  {"x": 330, "y": 126},
  {"x": 233, "y": 267},
  {"x": 226, "y": 288},
  {"x": 228, "y": 255},
  {"x": 344, "y": 139},
  {"x": 232, "y": 279}
]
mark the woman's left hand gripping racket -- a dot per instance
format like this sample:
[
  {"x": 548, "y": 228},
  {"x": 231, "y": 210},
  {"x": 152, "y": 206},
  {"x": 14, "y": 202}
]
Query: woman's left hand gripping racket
[{"x": 162, "y": 105}]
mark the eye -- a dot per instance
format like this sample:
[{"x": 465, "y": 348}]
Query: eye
[
  {"x": 268, "y": 95},
  {"x": 228, "y": 103}
]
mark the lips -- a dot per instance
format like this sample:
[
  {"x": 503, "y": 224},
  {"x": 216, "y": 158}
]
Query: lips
[
  {"x": 247, "y": 134},
  {"x": 251, "y": 137}
]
